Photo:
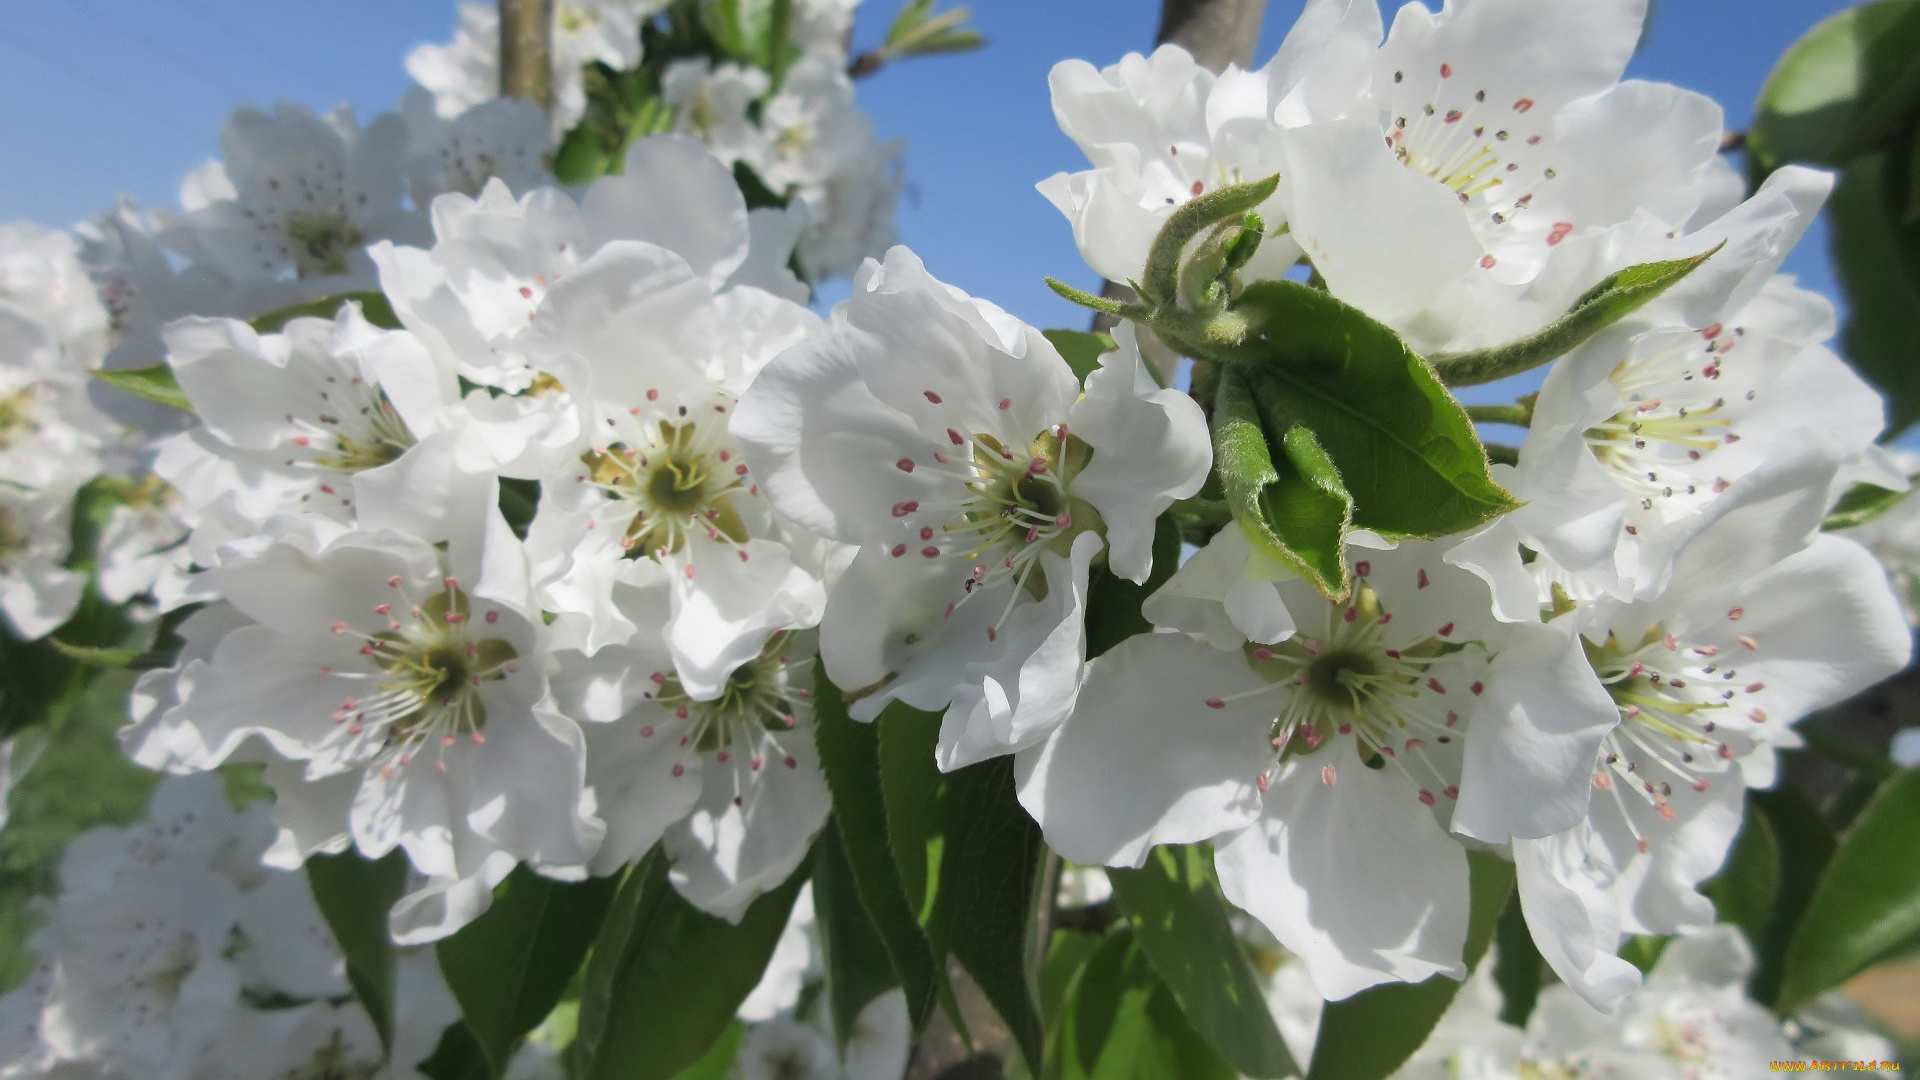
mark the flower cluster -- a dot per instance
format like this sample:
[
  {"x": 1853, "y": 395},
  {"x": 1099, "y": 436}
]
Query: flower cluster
[
  {"x": 1591, "y": 681},
  {"x": 288, "y": 215},
  {"x": 500, "y": 523},
  {"x": 171, "y": 952}
]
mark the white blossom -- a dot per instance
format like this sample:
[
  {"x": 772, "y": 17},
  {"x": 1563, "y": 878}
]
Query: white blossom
[
  {"x": 466, "y": 71},
  {"x": 1374, "y": 725},
  {"x": 979, "y": 484},
  {"x": 297, "y": 195},
  {"x": 1765, "y": 621},
  {"x": 412, "y": 684},
  {"x": 501, "y": 137}
]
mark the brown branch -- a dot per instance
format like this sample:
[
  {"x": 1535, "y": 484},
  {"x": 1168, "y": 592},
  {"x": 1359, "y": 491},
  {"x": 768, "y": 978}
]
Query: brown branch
[
  {"x": 1216, "y": 32},
  {"x": 526, "y": 50}
]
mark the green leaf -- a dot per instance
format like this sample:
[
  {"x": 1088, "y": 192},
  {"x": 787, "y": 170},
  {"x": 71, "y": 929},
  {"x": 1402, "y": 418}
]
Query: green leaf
[
  {"x": 749, "y": 30},
  {"x": 755, "y": 190},
  {"x": 718, "y": 1064},
  {"x": 850, "y": 757},
  {"x": 154, "y": 383},
  {"x": 968, "y": 860},
  {"x": 1067, "y": 952},
  {"x": 509, "y": 967},
  {"x": 1862, "y": 503},
  {"x": 373, "y": 305},
  {"x": 1867, "y": 901},
  {"x": 1160, "y": 284},
  {"x": 909, "y": 18},
  {"x": 1881, "y": 337},
  {"x": 355, "y": 895},
  {"x": 776, "y": 51},
  {"x": 583, "y": 157},
  {"x": 457, "y": 1056},
  {"x": 989, "y": 889},
  {"x": 858, "y": 968},
  {"x": 920, "y": 805},
  {"x": 1805, "y": 843},
  {"x": 93, "y": 656},
  {"x": 1404, "y": 448},
  {"x": 1518, "y": 967},
  {"x": 1113, "y": 602},
  {"x": 519, "y": 502},
  {"x": 39, "y": 683},
  {"x": 1374, "y": 1032},
  {"x": 916, "y": 31},
  {"x": 1080, "y": 349},
  {"x": 1643, "y": 950},
  {"x": 1284, "y": 514},
  {"x": 1184, "y": 925},
  {"x": 1120, "y": 1022},
  {"x": 1616, "y": 296},
  {"x": 1744, "y": 890},
  {"x": 665, "y": 978},
  {"x": 1842, "y": 89}
]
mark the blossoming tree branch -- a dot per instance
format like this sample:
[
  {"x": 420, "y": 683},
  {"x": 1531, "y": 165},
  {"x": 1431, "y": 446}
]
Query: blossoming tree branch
[{"x": 466, "y": 611}]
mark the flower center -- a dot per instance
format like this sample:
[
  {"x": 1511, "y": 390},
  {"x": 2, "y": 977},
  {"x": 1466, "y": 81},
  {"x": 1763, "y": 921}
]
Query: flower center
[
  {"x": 353, "y": 429},
  {"x": 1009, "y": 507},
  {"x": 757, "y": 700},
  {"x": 173, "y": 964},
  {"x": 429, "y": 674},
  {"x": 1682, "y": 715},
  {"x": 1481, "y": 149},
  {"x": 1351, "y": 680},
  {"x": 16, "y": 417},
  {"x": 746, "y": 725},
  {"x": 320, "y": 243},
  {"x": 682, "y": 479},
  {"x": 1675, "y": 417}
]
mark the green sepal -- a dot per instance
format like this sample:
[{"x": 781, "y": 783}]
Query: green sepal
[
  {"x": 1101, "y": 304},
  {"x": 1160, "y": 285},
  {"x": 1618, "y": 295}
]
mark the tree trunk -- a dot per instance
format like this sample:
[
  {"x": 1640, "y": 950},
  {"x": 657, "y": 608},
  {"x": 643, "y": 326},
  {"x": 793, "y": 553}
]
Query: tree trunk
[
  {"x": 526, "y": 50},
  {"x": 1216, "y": 32}
]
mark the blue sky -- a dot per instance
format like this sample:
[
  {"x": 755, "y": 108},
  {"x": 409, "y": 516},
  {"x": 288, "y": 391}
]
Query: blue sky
[{"x": 113, "y": 96}]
